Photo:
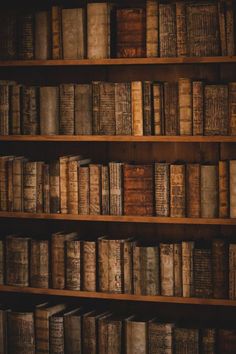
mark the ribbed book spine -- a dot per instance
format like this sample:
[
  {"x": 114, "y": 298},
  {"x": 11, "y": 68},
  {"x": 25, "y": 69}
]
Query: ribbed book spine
[
  {"x": 185, "y": 106},
  {"x": 137, "y": 108},
  {"x": 187, "y": 268},
  {"x": 73, "y": 265},
  {"x": 167, "y": 28},
  {"x": 232, "y": 188},
  {"x": 167, "y": 269},
  {"x": 198, "y": 112},
  {"x": 177, "y": 191},
  {"x": 83, "y": 175},
  {"x": 67, "y": 109},
  {"x": 193, "y": 190},
  {"x": 116, "y": 185},
  {"x": 223, "y": 189},
  {"x": 152, "y": 28},
  {"x": 181, "y": 29}
]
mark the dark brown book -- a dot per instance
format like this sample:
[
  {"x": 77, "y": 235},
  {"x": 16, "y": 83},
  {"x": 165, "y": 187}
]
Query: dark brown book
[
  {"x": 30, "y": 121},
  {"x": 116, "y": 187},
  {"x": 67, "y": 109},
  {"x": 83, "y": 176},
  {"x": 39, "y": 264},
  {"x": 130, "y": 32},
  {"x": 18, "y": 175},
  {"x": 193, "y": 190},
  {"x": 198, "y": 106},
  {"x": 54, "y": 185},
  {"x": 90, "y": 332},
  {"x": 223, "y": 189},
  {"x": 49, "y": 110},
  {"x": 95, "y": 190},
  {"x": 171, "y": 108},
  {"x": 138, "y": 190},
  {"x": 26, "y": 36},
  {"x": 73, "y": 264},
  {"x": 30, "y": 187},
  {"x": 15, "y": 96},
  {"x": 158, "y": 109},
  {"x": 39, "y": 187},
  {"x": 167, "y": 30},
  {"x": 181, "y": 29},
  {"x": 105, "y": 190},
  {"x": 107, "y": 125},
  {"x": 10, "y": 189},
  {"x": 8, "y": 35},
  {"x": 2, "y": 262},
  {"x": 89, "y": 268},
  {"x": 222, "y": 26},
  {"x": 226, "y": 341},
  {"x": 178, "y": 274},
  {"x": 209, "y": 191},
  {"x": 160, "y": 337},
  {"x": 56, "y": 32},
  {"x": 46, "y": 189},
  {"x": 177, "y": 191},
  {"x": 63, "y": 173},
  {"x": 232, "y": 196},
  {"x": 187, "y": 268},
  {"x": 216, "y": 110},
  {"x": 73, "y": 331},
  {"x": 186, "y": 340},
  {"x": 123, "y": 114},
  {"x": 230, "y": 27},
  {"x": 83, "y": 109},
  {"x": 110, "y": 334},
  {"x": 4, "y": 110},
  {"x": 232, "y": 271},
  {"x": 3, "y": 329},
  {"x": 136, "y": 331},
  {"x": 220, "y": 268},
  {"x": 17, "y": 260},
  {"x": 147, "y": 108},
  {"x": 208, "y": 341},
  {"x": 42, "y": 35},
  {"x": 232, "y": 108},
  {"x": 167, "y": 269},
  {"x": 202, "y": 271},
  {"x": 4, "y": 182}
]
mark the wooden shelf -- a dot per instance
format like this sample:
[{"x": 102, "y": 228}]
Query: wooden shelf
[
  {"x": 124, "y": 297},
  {"x": 119, "y": 138},
  {"x": 123, "y": 218},
  {"x": 119, "y": 61}
]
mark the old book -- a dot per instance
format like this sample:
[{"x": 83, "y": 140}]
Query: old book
[
  {"x": 202, "y": 271},
  {"x": 58, "y": 247},
  {"x": 30, "y": 121},
  {"x": 136, "y": 331},
  {"x": 232, "y": 271},
  {"x": 73, "y": 264},
  {"x": 162, "y": 188},
  {"x": 46, "y": 189},
  {"x": 127, "y": 249},
  {"x": 146, "y": 277},
  {"x": 4, "y": 110},
  {"x": 95, "y": 190},
  {"x": 56, "y": 32},
  {"x": 160, "y": 337},
  {"x": 178, "y": 282},
  {"x": 98, "y": 30},
  {"x": 54, "y": 186},
  {"x": 123, "y": 114},
  {"x": 230, "y": 27},
  {"x": 39, "y": 186},
  {"x": 8, "y": 35},
  {"x": 167, "y": 30},
  {"x": 103, "y": 280},
  {"x": 83, "y": 176},
  {"x": 203, "y": 29},
  {"x": 209, "y": 191},
  {"x": 73, "y": 33},
  {"x": 30, "y": 187},
  {"x": 39, "y": 264},
  {"x": 110, "y": 334},
  {"x": 181, "y": 29},
  {"x": 185, "y": 106},
  {"x": 167, "y": 268},
  {"x": 208, "y": 341},
  {"x": 107, "y": 124},
  {"x": 26, "y": 36},
  {"x": 177, "y": 191},
  {"x": 42, "y": 35},
  {"x": 4, "y": 182},
  {"x": 56, "y": 331},
  {"x": 83, "y": 109},
  {"x": 226, "y": 341},
  {"x": 220, "y": 268},
  {"x": 198, "y": 105},
  {"x": 222, "y": 26},
  {"x": 171, "y": 108},
  {"x": 73, "y": 331},
  {"x": 96, "y": 107},
  {"x": 223, "y": 189},
  {"x": 42, "y": 318},
  {"x": 138, "y": 190},
  {"x": 90, "y": 332},
  {"x": 17, "y": 181},
  {"x": 147, "y": 107},
  {"x": 137, "y": 108},
  {"x": 116, "y": 188},
  {"x": 186, "y": 340},
  {"x": 130, "y": 32},
  {"x": 232, "y": 188},
  {"x": 152, "y": 28},
  {"x": 187, "y": 268},
  {"x": 15, "y": 95},
  {"x": 67, "y": 109},
  {"x": 193, "y": 190},
  {"x": 158, "y": 111},
  {"x": 17, "y": 260},
  {"x": 232, "y": 108},
  {"x": 2, "y": 266},
  {"x": 21, "y": 336},
  {"x": 49, "y": 110},
  {"x": 64, "y": 182},
  {"x": 105, "y": 190},
  {"x": 10, "y": 190},
  {"x": 89, "y": 268},
  {"x": 216, "y": 110}
]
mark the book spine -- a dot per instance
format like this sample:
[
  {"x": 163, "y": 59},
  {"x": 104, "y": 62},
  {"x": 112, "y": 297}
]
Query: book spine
[
  {"x": 187, "y": 268},
  {"x": 56, "y": 32},
  {"x": 3, "y": 184},
  {"x": 162, "y": 189},
  {"x": 197, "y": 89},
  {"x": 89, "y": 266},
  {"x": 10, "y": 195},
  {"x": 232, "y": 108},
  {"x": 223, "y": 189},
  {"x": 137, "y": 253},
  {"x": 105, "y": 190},
  {"x": 193, "y": 190},
  {"x": 58, "y": 261},
  {"x": 127, "y": 257},
  {"x": 8, "y": 44},
  {"x": 115, "y": 266},
  {"x": 209, "y": 191},
  {"x": 39, "y": 187},
  {"x": 17, "y": 184},
  {"x": 54, "y": 180},
  {"x": 73, "y": 185},
  {"x": 107, "y": 109},
  {"x": 152, "y": 30},
  {"x": 30, "y": 124},
  {"x": 26, "y": 37},
  {"x": 15, "y": 109},
  {"x": 83, "y": 109},
  {"x": 95, "y": 189},
  {"x": 96, "y": 107},
  {"x": 48, "y": 110},
  {"x": 232, "y": 271},
  {"x": 167, "y": 269},
  {"x": 21, "y": 337},
  {"x": 222, "y": 26},
  {"x": 57, "y": 345},
  {"x": 230, "y": 27},
  {"x": 185, "y": 106},
  {"x": 178, "y": 288},
  {"x": 42, "y": 35},
  {"x": 167, "y": 27},
  {"x": 116, "y": 195},
  {"x": 73, "y": 265},
  {"x": 147, "y": 108},
  {"x": 136, "y": 337},
  {"x": 72, "y": 331},
  {"x": 123, "y": 116},
  {"x": 67, "y": 109},
  {"x": 177, "y": 191},
  {"x": 30, "y": 187},
  {"x": 161, "y": 336},
  {"x": 39, "y": 264},
  {"x": 170, "y": 108},
  {"x": 157, "y": 90},
  {"x": 83, "y": 190},
  {"x": 152, "y": 269},
  {"x": 46, "y": 189},
  {"x": 103, "y": 265},
  {"x": 202, "y": 270},
  {"x": 137, "y": 108},
  {"x": 63, "y": 163},
  {"x": 220, "y": 271},
  {"x": 2, "y": 265},
  {"x": 4, "y": 110},
  {"x": 232, "y": 188},
  {"x": 89, "y": 335},
  {"x": 208, "y": 342},
  {"x": 181, "y": 29}
]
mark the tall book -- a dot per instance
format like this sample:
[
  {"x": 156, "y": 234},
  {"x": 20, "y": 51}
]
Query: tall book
[
  {"x": 73, "y": 331},
  {"x": 185, "y": 106},
  {"x": 57, "y": 333},
  {"x": 223, "y": 189},
  {"x": 137, "y": 108},
  {"x": 17, "y": 181},
  {"x": 105, "y": 190},
  {"x": 89, "y": 268},
  {"x": 4, "y": 109},
  {"x": 123, "y": 113},
  {"x": 147, "y": 108},
  {"x": 95, "y": 190},
  {"x": 232, "y": 188},
  {"x": 170, "y": 108},
  {"x": 56, "y": 32},
  {"x": 158, "y": 111},
  {"x": 181, "y": 29},
  {"x": 83, "y": 109},
  {"x": 167, "y": 269},
  {"x": 30, "y": 187},
  {"x": 232, "y": 108},
  {"x": 167, "y": 30},
  {"x": 230, "y": 27},
  {"x": 136, "y": 335},
  {"x": 3, "y": 329},
  {"x": 178, "y": 281},
  {"x": 202, "y": 269},
  {"x": 83, "y": 188},
  {"x": 116, "y": 187},
  {"x": 49, "y": 110},
  {"x": 226, "y": 341},
  {"x": 67, "y": 109},
  {"x": 186, "y": 340},
  {"x": 73, "y": 264},
  {"x": 15, "y": 95},
  {"x": 177, "y": 191},
  {"x": 2, "y": 262},
  {"x": 54, "y": 186},
  {"x": 39, "y": 263},
  {"x": 152, "y": 28},
  {"x": 26, "y": 36},
  {"x": 30, "y": 123},
  {"x": 4, "y": 182},
  {"x": 103, "y": 281},
  {"x": 160, "y": 337},
  {"x": 193, "y": 206},
  {"x": 220, "y": 268},
  {"x": 42, "y": 35},
  {"x": 107, "y": 124},
  {"x": 64, "y": 178},
  {"x": 90, "y": 331},
  {"x": 110, "y": 334},
  {"x": 187, "y": 268},
  {"x": 209, "y": 191},
  {"x": 198, "y": 105}
]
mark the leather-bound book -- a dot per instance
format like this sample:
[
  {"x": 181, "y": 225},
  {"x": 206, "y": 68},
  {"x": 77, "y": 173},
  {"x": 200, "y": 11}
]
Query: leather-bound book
[
  {"x": 208, "y": 341},
  {"x": 178, "y": 282},
  {"x": 83, "y": 176},
  {"x": 193, "y": 190},
  {"x": 162, "y": 188},
  {"x": 10, "y": 189},
  {"x": 160, "y": 337},
  {"x": 63, "y": 168},
  {"x": 116, "y": 187},
  {"x": 230, "y": 27},
  {"x": 187, "y": 268},
  {"x": 4, "y": 110},
  {"x": 137, "y": 107},
  {"x": 54, "y": 186},
  {"x": 17, "y": 260},
  {"x": 95, "y": 190},
  {"x": 96, "y": 107},
  {"x": 130, "y": 33},
  {"x": 186, "y": 340},
  {"x": 177, "y": 191},
  {"x": 90, "y": 331},
  {"x": 17, "y": 177},
  {"x": 232, "y": 271},
  {"x": 216, "y": 110},
  {"x": 105, "y": 190},
  {"x": 181, "y": 29},
  {"x": 57, "y": 333},
  {"x": 58, "y": 247},
  {"x": 73, "y": 331},
  {"x": 73, "y": 33},
  {"x": 110, "y": 334},
  {"x": 152, "y": 28},
  {"x": 42, "y": 318},
  {"x": 73, "y": 264},
  {"x": 136, "y": 331},
  {"x": 39, "y": 186},
  {"x": 203, "y": 29},
  {"x": 56, "y": 32},
  {"x": 220, "y": 268},
  {"x": 185, "y": 107},
  {"x": 4, "y": 182},
  {"x": 167, "y": 269},
  {"x": 42, "y": 35},
  {"x": 103, "y": 280},
  {"x": 158, "y": 110},
  {"x": 223, "y": 189},
  {"x": 39, "y": 264},
  {"x": 49, "y": 110},
  {"x": 147, "y": 108},
  {"x": 202, "y": 271},
  {"x": 83, "y": 109},
  {"x": 67, "y": 109},
  {"x": 232, "y": 188},
  {"x": 98, "y": 30},
  {"x": 232, "y": 108},
  {"x": 209, "y": 191},
  {"x": 15, "y": 95},
  {"x": 26, "y": 36},
  {"x": 89, "y": 268},
  {"x": 30, "y": 123},
  {"x": 198, "y": 106},
  {"x": 30, "y": 187},
  {"x": 21, "y": 335},
  {"x": 226, "y": 341},
  {"x": 123, "y": 114},
  {"x": 8, "y": 35},
  {"x": 171, "y": 108},
  {"x": 222, "y": 26},
  {"x": 138, "y": 190},
  {"x": 167, "y": 30}
]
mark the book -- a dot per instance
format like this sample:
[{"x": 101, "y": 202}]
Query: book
[
  {"x": 178, "y": 281},
  {"x": 15, "y": 95},
  {"x": 116, "y": 187},
  {"x": 232, "y": 271},
  {"x": 158, "y": 112},
  {"x": 30, "y": 187},
  {"x": 2, "y": 263},
  {"x": 17, "y": 181},
  {"x": 64, "y": 177},
  {"x": 3, "y": 329},
  {"x": 186, "y": 340},
  {"x": 90, "y": 331},
  {"x": 187, "y": 268},
  {"x": 56, "y": 330},
  {"x": 54, "y": 186},
  {"x": 193, "y": 206},
  {"x": 167, "y": 269},
  {"x": 123, "y": 113},
  {"x": 103, "y": 281},
  {"x": 185, "y": 106},
  {"x": 232, "y": 188},
  {"x": 49, "y": 110},
  {"x": 8, "y": 35},
  {"x": 30, "y": 123},
  {"x": 147, "y": 108},
  {"x": 167, "y": 30},
  {"x": 152, "y": 28},
  {"x": 136, "y": 335},
  {"x": 105, "y": 190},
  {"x": 162, "y": 188},
  {"x": 160, "y": 337},
  {"x": 223, "y": 189},
  {"x": 89, "y": 268},
  {"x": 26, "y": 36},
  {"x": 222, "y": 26},
  {"x": 198, "y": 106},
  {"x": 73, "y": 264},
  {"x": 83, "y": 109},
  {"x": 67, "y": 109},
  {"x": 56, "y": 32},
  {"x": 39, "y": 263},
  {"x": 181, "y": 29},
  {"x": 73, "y": 331},
  {"x": 177, "y": 191},
  {"x": 220, "y": 268},
  {"x": 95, "y": 191},
  {"x": 226, "y": 341},
  {"x": 232, "y": 108},
  {"x": 170, "y": 108},
  {"x": 202, "y": 269},
  {"x": 106, "y": 119},
  {"x": 208, "y": 340},
  {"x": 83, "y": 188},
  {"x": 230, "y": 27},
  {"x": 42, "y": 35},
  {"x": 110, "y": 334},
  {"x": 4, "y": 109},
  {"x": 209, "y": 191},
  {"x": 137, "y": 108}
]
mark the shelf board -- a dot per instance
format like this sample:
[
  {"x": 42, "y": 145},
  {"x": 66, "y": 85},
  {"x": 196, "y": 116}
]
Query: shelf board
[
  {"x": 119, "y": 138},
  {"x": 114, "y": 218},
  {"x": 119, "y": 61},
  {"x": 112, "y": 296}
]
